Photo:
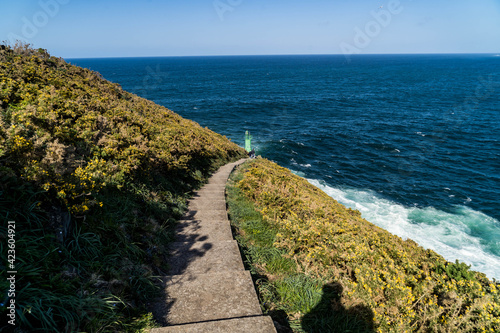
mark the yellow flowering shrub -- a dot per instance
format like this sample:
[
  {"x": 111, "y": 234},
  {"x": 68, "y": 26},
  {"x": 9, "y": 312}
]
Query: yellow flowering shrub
[
  {"x": 94, "y": 178},
  {"x": 408, "y": 288},
  {"x": 72, "y": 132}
]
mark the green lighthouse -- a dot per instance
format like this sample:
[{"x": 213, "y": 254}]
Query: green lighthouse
[{"x": 248, "y": 142}]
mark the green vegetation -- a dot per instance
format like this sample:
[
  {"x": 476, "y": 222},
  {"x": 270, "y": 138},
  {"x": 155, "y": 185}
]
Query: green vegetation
[
  {"x": 320, "y": 267},
  {"x": 94, "y": 178}
]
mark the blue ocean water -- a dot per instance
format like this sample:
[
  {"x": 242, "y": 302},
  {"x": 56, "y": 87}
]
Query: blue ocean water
[{"x": 412, "y": 141}]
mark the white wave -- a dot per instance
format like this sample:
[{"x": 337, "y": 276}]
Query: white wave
[
  {"x": 463, "y": 234},
  {"x": 298, "y": 173}
]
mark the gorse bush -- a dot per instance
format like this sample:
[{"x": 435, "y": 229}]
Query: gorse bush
[
  {"x": 94, "y": 178},
  {"x": 75, "y": 133},
  {"x": 394, "y": 285},
  {"x": 456, "y": 271}
]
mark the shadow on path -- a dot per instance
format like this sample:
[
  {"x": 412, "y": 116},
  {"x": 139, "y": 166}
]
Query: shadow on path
[
  {"x": 330, "y": 315},
  {"x": 182, "y": 252}
]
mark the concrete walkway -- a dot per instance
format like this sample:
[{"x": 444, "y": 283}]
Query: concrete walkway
[{"x": 208, "y": 289}]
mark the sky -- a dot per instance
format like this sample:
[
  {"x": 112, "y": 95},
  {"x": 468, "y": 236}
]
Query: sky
[{"x": 142, "y": 28}]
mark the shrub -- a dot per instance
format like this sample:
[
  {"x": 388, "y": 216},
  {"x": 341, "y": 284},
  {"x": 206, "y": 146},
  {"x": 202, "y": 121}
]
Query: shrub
[
  {"x": 394, "y": 284},
  {"x": 94, "y": 178},
  {"x": 456, "y": 271}
]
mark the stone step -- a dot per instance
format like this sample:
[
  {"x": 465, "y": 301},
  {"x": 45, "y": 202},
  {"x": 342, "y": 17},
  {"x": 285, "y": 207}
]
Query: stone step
[
  {"x": 207, "y": 215},
  {"x": 217, "y": 194},
  {"x": 219, "y": 176},
  {"x": 217, "y": 181},
  {"x": 213, "y": 296},
  {"x": 207, "y": 203},
  {"x": 204, "y": 257},
  {"x": 227, "y": 168},
  {"x": 210, "y": 189},
  {"x": 198, "y": 230},
  {"x": 213, "y": 187},
  {"x": 260, "y": 324}
]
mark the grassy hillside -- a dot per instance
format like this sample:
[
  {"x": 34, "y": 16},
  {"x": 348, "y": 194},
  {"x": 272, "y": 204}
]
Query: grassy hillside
[
  {"x": 93, "y": 178},
  {"x": 320, "y": 267}
]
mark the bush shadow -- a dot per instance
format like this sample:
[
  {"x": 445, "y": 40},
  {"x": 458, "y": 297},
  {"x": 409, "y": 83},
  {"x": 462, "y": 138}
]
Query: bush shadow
[{"x": 189, "y": 245}]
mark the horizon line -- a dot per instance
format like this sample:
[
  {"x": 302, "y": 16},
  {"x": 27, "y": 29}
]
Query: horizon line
[{"x": 286, "y": 54}]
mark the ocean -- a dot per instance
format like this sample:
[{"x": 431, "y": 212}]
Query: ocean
[{"x": 412, "y": 141}]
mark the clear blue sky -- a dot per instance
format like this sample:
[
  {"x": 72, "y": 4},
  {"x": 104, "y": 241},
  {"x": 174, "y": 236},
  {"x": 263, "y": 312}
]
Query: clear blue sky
[{"x": 126, "y": 28}]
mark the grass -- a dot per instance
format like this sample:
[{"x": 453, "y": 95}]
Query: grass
[
  {"x": 66, "y": 285},
  {"x": 320, "y": 267},
  {"x": 94, "y": 178},
  {"x": 296, "y": 300}
]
